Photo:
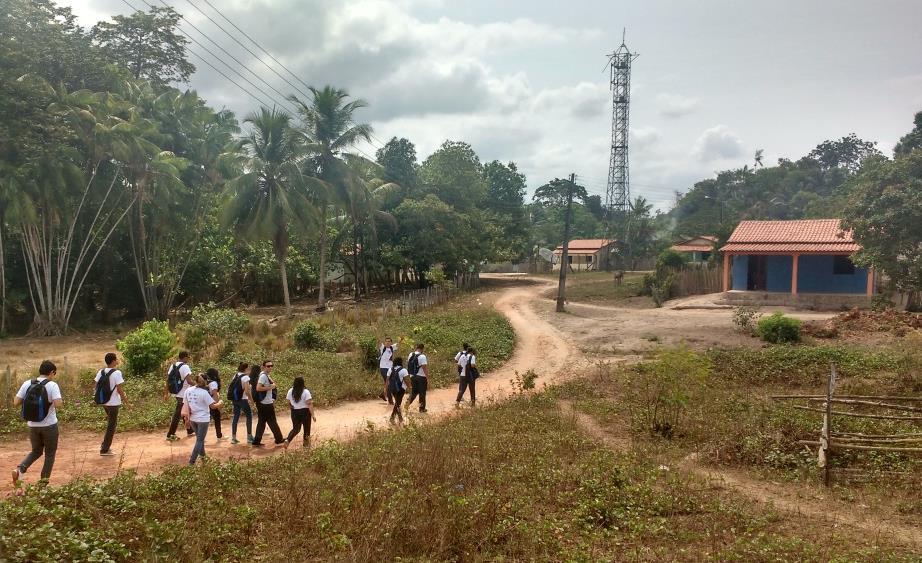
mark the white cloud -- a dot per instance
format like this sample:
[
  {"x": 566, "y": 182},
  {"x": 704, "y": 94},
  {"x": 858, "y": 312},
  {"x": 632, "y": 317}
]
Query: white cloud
[
  {"x": 644, "y": 137},
  {"x": 718, "y": 143},
  {"x": 674, "y": 105}
]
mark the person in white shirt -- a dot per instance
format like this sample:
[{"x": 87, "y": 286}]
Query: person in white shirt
[
  {"x": 467, "y": 378},
  {"x": 113, "y": 383},
  {"x": 181, "y": 367},
  {"x": 266, "y": 393},
  {"x": 43, "y": 434},
  {"x": 387, "y": 351},
  {"x": 464, "y": 348},
  {"x": 240, "y": 393},
  {"x": 419, "y": 381},
  {"x": 200, "y": 404},
  {"x": 397, "y": 381},
  {"x": 302, "y": 411},
  {"x": 214, "y": 387}
]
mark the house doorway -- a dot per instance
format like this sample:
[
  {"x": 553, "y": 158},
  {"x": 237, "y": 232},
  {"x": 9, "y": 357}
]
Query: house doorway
[{"x": 757, "y": 273}]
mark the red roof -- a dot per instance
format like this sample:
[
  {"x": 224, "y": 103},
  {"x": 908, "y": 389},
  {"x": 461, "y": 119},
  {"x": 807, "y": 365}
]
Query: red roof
[
  {"x": 688, "y": 244},
  {"x": 817, "y": 236},
  {"x": 588, "y": 245}
]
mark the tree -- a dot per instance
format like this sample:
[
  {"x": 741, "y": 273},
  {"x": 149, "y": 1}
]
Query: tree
[
  {"x": 554, "y": 193},
  {"x": 846, "y": 153},
  {"x": 910, "y": 141},
  {"x": 638, "y": 231},
  {"x": 454, "y": 174},
  {"x": 272, "y": 194},
  {"x": 885, "y": 214},
  {"x": 398, "y": 159},
  {"x": 505, "y": 204},
  {"x": 147, "y": 45}
]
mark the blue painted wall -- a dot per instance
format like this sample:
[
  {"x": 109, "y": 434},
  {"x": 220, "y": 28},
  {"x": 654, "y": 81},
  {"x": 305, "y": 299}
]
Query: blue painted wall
[
  {"x": 814, "y": 275},
  {"x": 739, "y": 272},
  {"x": 778, "y": 275}
]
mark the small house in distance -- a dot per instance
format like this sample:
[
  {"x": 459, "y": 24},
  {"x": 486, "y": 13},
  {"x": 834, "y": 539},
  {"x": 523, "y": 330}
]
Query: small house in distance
[
  {"x": 586, "y": 254},
  {"x": 697, "y": 249},
  {"x": 804, "y": 262}
]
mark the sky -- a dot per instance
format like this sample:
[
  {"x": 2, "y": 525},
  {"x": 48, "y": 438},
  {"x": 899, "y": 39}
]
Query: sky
[{"x": 525, "y": 80}]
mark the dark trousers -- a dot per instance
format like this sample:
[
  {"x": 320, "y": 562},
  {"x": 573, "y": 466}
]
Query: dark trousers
[
  {"x": 216, "y": 417},
  {"x": 44, "y": 440},
  {"x": 387, "y": 388},
  {"x": 420, "y": 384},
  {"x": 266, "y": 414},
  {"x": 242, "y": 406},
  {"x": 398, "y": 398},
  {"x": 177, "y": 416},
  {"x": 467, "y": 382},
  {"x": 299, "y": 418},
  {"x": 111, "y": 423}
]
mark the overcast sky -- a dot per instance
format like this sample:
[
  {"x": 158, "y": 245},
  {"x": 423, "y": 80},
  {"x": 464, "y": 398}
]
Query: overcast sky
[{"x": 523, "y": 80}]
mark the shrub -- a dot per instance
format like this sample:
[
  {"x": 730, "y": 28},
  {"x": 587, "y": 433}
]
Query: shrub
[
  {"x": 778, "y": 329},
  {"x": 669, "y": 259},
  {"x": 661, "y": 288},
  {"x": 664, "y": 387},
  {"x": 881, "y": 303},
  {"x": 209, "y": 324},
  {"x": 146, "y": 348},
  {"x": 307, "y": 335},
  {"x": 745, "y": 318},
  {"x": 368, "y": 349}
]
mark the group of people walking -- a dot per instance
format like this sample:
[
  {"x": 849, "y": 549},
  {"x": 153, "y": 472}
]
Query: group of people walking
[{"x": 199, "y": 402}]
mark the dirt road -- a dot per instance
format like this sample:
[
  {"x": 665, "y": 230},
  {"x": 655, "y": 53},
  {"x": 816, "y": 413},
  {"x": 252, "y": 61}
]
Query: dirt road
[{"x": 145, "y": 453}]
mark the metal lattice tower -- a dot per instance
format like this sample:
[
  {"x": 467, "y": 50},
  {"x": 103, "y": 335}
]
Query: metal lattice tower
[{"x": 618, "y": 193}]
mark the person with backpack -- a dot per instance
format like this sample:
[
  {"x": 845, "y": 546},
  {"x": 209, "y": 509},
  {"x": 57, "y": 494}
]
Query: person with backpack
[
  {"x": 110, "y": 395},
  {"x": 386, "y": 352},
  {"x": 302, "y": 411},
  {"x": 464, "y": 348},
  {"x": 468, "y": 376},
  {"x": 40, "y": 398},
  {"x": 265, "y": 396},
  {"x": 239, "y": 393},
  {"x": 397, "y": 382},
  {"x": 200, "y": 403},
  {"x": 177, "y": 381},
  {"x": 418, "y": 368},
  {"x": 214, "y": 387}
]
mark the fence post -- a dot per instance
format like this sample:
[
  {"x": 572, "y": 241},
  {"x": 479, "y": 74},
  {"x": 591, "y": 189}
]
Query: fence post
[{"x": 825, "y": 450}]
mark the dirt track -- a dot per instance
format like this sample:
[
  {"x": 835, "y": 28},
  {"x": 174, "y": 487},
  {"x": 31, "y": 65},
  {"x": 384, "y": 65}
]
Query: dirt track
[{"x": 78, "y": 453}]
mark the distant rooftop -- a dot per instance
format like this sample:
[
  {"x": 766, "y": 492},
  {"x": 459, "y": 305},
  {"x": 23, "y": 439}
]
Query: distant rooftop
[{"x": 803, "y": 235}]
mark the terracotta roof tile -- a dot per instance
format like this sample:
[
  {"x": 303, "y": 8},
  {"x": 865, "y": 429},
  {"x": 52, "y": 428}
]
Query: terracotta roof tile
[
  {"x": 586, "y": 244},
  {"x": 692, "y": 247},
  {"x": 804, "y": 235}
]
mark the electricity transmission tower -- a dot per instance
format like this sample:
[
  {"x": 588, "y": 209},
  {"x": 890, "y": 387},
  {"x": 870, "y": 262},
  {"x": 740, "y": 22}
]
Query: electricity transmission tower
[{"x": 618, "y": 194}]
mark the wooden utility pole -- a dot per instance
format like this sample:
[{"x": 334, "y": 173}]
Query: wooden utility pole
[{"x": 564, "y": 256}]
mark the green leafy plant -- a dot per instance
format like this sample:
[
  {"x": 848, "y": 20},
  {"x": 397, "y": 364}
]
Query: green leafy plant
[
  {"x": 146, "y": 348},
  {"x": 307, "y": 335},
  {"x": 778, "y": 329},
  {"x": 368, "y": 351},
  {"x": 745, "y": 318},
  {"x": 663, "y": 389}
]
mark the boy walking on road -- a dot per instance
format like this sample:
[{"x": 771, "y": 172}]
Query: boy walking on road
[
  {"x": 266, "y": 394},
  {"x": 177, "y": 381},
  {"x": 418, "y": 367},
  {"x": 386, "y": 353},
  {"x": 397, "y": 381},
  {"x": 40, "y": 398},
  {"x": 111, "y": 396},
  {"x": 467, "y": 376}
]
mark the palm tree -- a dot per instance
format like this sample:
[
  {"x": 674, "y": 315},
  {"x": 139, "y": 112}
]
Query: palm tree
[
  {"x": 329, "y": 132},
  {"x": 272, "y": 195}
]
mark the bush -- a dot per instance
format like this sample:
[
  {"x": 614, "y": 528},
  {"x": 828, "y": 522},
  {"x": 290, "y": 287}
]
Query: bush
[
  {"x": 669, "y": 259},
  {"x": 307, "y": 335},
  {"x": 663, "y": 389},
  {"x": 146, "y": 348},
  {"x": 209, "y": 324},
  {"x": 778, "y": 329},
  {"x": 745, "y": 318},
  {"x": 368, "y": 348}
]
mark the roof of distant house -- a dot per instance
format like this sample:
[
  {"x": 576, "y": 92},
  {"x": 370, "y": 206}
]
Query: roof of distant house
[
  {"x": 585, "y": 245},
  {"x": 816, "y": 236},
  {"x": 702, "y": 243}
]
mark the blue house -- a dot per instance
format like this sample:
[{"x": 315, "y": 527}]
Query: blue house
[{"x": 795, "y": 257}]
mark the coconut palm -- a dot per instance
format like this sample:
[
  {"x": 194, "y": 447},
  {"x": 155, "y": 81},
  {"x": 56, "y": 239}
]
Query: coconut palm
[{"x": 272, "y": 194}]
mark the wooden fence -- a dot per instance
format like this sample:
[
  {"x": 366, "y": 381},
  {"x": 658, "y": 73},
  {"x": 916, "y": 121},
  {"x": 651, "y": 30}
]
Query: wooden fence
[{"x": 698, "y": 280}]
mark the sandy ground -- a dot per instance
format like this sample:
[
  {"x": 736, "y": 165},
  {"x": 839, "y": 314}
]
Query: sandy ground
[{"x": 78, "y": 453}]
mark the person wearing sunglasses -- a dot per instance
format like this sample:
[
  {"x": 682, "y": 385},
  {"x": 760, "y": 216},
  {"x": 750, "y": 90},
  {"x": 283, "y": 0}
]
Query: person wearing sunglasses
[{"x": 265, "y": 396}]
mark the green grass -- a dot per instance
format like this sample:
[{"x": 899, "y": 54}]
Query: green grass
[
  {"x": 517, "y": 482},
  {"x": 600, "y": 288}
]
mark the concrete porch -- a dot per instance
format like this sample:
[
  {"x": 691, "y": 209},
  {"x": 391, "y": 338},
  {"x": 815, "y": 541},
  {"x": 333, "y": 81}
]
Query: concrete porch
[{"x": 811, "y": 301}]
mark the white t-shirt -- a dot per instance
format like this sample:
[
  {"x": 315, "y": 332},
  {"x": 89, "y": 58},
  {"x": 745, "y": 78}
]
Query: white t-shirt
[
  {"x": 423, "y": 361},
  {"x": 244, "y": 381},
  {"x": 212, "y": 386},
  {"x": 115, "y": 378},
  {"x": 302, "y": 404},
  {"x": 54, "y": 392},
  {"x": 265, "y": 380},
  {"x": 403, "y": 374},
  {"x": 386, "y": 354},
  {"x": 458, "y": 356},
  {"x": 199, "y": 401},
  {"x": 466, "y": 359},
  {"x": 184, "y": 372}
]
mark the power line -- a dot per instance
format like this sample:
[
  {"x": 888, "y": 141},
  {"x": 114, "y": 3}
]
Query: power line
[{"x": 229, "y": 79}]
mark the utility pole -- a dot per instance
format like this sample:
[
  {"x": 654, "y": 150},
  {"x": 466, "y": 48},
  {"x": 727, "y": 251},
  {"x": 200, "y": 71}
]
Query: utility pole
[{"x": 565, "y": 255}]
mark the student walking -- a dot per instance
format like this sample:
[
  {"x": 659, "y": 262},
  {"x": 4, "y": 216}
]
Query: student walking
[
  {"x": 111, "y": 396},
  {"x": 265, "y": 396},
  {"x": 199, "y": 403},
  {"x": 240, "y": 393},
  {"x": 177, "y": 381},
  {"x": 40, "y": 398},
  {"x": 418, "y": 368},
  {"x": 387, "y": 351},
  {"x": 397, "y": 381},
  {"x": 468, "y": 376},
  {"x": 302, "y": 411},
  {"x": 214, "y": 387},
  {"x": 464, "y": 350}
]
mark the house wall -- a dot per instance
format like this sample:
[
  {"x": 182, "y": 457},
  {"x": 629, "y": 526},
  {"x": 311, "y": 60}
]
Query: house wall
[
  {"x": 778, "y": 273},
  {"x": 739, "y": 271},
  {"x": 814, "y": 275}
]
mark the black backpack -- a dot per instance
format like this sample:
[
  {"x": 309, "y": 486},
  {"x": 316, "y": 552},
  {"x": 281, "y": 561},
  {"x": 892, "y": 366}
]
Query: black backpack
[
  {"x": 260, "y": 395},
  {"x": 235, "y": 389},
  {"x": 413, "y": 364},
  {"x": 35, "y": 405},
  {"x": 394, "y": 383},
  {"x": 174, "y": 379},
  {"x": 103, "y": 389},
  {"x": 472, "y": 371}
]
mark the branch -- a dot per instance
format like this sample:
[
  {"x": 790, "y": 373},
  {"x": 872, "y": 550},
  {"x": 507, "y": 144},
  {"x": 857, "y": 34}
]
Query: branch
[{"x": 858, "y": 415}]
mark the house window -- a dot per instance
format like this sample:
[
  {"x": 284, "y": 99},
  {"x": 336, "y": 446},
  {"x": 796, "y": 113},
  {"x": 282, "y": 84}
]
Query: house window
[
  {"x": 842, "y": 266},
  {"x": 589, "y": 259},
  {"x": 569, "y": 258}
]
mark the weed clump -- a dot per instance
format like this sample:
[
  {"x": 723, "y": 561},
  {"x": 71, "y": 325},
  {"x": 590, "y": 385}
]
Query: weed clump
[
  {"x": 778, "y": 329},
  {"x": 146, "y": 348}
]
